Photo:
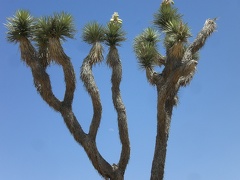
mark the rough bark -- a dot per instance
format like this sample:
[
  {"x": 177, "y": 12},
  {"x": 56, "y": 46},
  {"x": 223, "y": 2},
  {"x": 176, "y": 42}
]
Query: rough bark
[
  {"x": 91, "y": 87},
  {"x": 115, "y": 63}
]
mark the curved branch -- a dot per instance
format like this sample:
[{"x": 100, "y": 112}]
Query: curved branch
[
  {"x": 91, "y": 87},
  {"x": 115, "y": 63},
  {"x": 57, "y": 54},
  {"x": 41, "y": 78},
  {"x": 208, "y": 28}
]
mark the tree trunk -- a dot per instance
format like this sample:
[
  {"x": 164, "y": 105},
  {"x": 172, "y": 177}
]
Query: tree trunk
[{"x": 164, "y": 112}]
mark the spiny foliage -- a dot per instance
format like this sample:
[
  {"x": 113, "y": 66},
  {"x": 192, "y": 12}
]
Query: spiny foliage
[
  {"x": 145, "y": 47},
  {"x": 176, "y": 32},
  {"x": 59, "y": 26},
  {"x": 20, "y": 26},
  {"x": 23, "y": 25},
  {"x": 114, "y": 34},
  {"x": 166, "y": 13},
  {"x": 93, "y": 32}
]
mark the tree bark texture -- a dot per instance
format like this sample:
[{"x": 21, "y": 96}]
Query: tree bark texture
[{"x": 114, "y": 62}]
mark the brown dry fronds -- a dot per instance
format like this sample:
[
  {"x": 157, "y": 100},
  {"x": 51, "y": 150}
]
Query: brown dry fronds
[
  {"x": 96, "y": 53},
  {"x": 28, "y": 53}
]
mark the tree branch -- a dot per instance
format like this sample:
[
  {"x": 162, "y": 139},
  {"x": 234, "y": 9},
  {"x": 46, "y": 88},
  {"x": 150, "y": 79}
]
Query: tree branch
[
  {"x": 91, "y": 87},
  {"x": 58, "y": 55},
  {"x": 115, "y": 63},
  {"x": 208, "y": 28}
]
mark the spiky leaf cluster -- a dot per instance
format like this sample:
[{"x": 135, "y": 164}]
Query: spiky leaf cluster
[
  {"x": 58, "y": 26},
  {"x": 176, "y": 32},
  {"x": 93, "y": 32},
  {"x": 176, "y": 37},
  {"x": 114, "y": 34},
  {"x": 166, "y": 13},
  {"x": 20, "y": 26},
  {"x": 145, "y": 48}
]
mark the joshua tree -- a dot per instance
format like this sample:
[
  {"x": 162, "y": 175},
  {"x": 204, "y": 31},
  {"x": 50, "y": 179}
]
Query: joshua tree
[
  {"x": 40, "y": 42},
  {"x": 178, "y": 67},
  {"x": 47, "y": 33}
]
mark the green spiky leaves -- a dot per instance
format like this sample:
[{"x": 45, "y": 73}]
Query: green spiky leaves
[
  {"x": 145, "y": 48},
  {"x": 114, "y": 34},
  {"x": 59, "y": 26},
  {"x": 93, "y": 32},
  {"x": 23, "y": 25},
  {"x": 176, "y": 32},
  {"x": 20, "y": 26},
  {"x": 166, "y": 14},
  {"x": 176, "y": 38}
]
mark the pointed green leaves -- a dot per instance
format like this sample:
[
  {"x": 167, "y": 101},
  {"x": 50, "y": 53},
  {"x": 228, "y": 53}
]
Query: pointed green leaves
[
  {"x": 145, "y": 48},
  {"x": 114, "y": 33},
  {"x": 166, "y": 14},
  {"x": 21, "y": 25},
  {"x": 59, "y": 26},
  {"x": 176, "y": 38},
  {"x": 176, "y": 32},
  {"x": 93, "y": 32}
]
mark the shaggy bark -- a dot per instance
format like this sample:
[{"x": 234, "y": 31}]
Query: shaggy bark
[
  {"x": 114, "y": 62},
  {"x": 91, "y": 87}
]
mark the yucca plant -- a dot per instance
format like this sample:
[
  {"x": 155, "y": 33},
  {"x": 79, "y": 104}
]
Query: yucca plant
[{"x": 179, "y": 66}]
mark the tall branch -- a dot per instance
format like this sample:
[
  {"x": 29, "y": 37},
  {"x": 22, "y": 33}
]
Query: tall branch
[
  {"x": 91, "y": 87},
  {"x": 115, "y": 63}
]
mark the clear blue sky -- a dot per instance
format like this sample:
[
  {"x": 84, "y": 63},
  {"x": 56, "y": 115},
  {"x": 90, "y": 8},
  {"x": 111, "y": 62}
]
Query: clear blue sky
[{"x": 205, "y": 131}]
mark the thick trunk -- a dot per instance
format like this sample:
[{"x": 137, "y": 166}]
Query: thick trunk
[{"x": 164, "y": 111}]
